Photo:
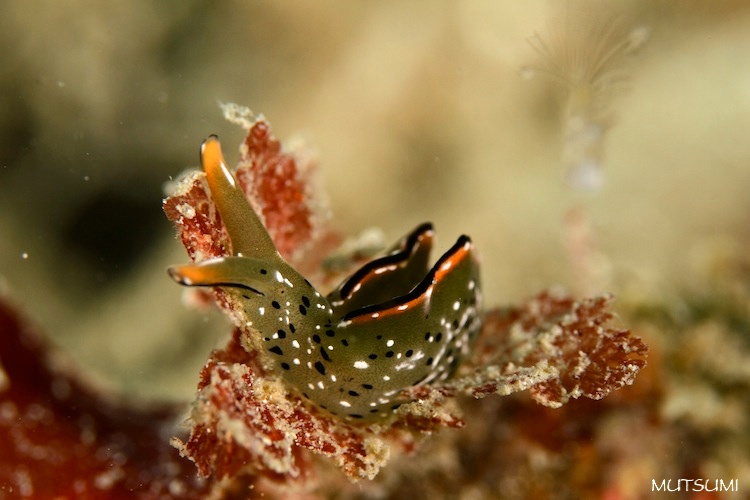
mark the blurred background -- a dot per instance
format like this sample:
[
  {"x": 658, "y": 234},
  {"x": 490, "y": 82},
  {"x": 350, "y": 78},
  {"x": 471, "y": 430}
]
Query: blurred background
[{"x": 600, "y": 146}]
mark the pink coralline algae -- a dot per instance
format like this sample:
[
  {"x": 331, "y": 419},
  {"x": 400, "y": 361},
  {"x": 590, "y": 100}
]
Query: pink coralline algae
[
  {"x": 246, "y": 420},
  {"x": 61, "y": 439}
]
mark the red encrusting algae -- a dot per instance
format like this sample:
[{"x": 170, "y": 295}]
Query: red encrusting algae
[
  {"x": 60, "y": 438},
  {"x": 556, "y": 347}
]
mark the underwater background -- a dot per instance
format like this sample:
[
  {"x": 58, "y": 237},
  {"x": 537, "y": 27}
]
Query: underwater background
[{"x": 598, "y": 146}]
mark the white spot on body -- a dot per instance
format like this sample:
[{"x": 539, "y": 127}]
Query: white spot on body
[
  {"x": 390, "y": 343},
  {"x": 361, "y": 365},
  {"x": 295, "y": 361},
  {"x": 295, "y": 343},
  {"x": 345, "y": 404}
]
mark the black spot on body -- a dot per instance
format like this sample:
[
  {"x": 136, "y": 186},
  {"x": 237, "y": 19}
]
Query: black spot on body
[
  {"x": 373, "y": 356},
  {"x": 319, "y": 366},
  {"x": 324, "y": 354},
  {"x": 277, "y": 350},
  {"x": 354, "y": 393},
  {"x": 330, "y": 333},
  {"x": 428, "y": 337},
  {"x": 439, "y": 337},
  {"x": 306, "y": 301},
  {"x": 276, "y": 305},
  {"x": 263, "y": 271},
  {"x": 429, "y": 362},
  {"x": 409, "y": 353},
  {"x": 245, "y": 297},
  {"x": 367, "y": 386},
  {"x": 282, "y": 334},
  {"x": 285, "y": 366},
  {"x": 346, "y": 344},
  {"x": 302, "y": 310},
  {"x": 389, "y": 354},
  {"x": 355, "y": 415},
  {"x": 316, "y": 338}
]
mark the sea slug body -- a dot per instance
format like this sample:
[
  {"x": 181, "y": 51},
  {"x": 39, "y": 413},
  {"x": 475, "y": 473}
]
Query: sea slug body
[{"x": 393, "y": 324}]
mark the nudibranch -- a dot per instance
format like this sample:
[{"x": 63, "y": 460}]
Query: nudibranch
[{"x": 394, "y": 324}]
